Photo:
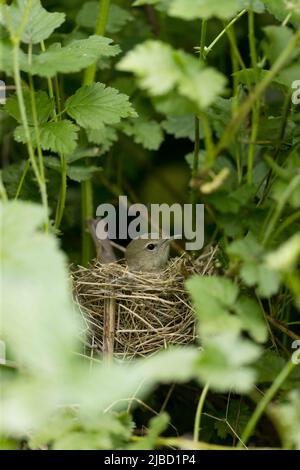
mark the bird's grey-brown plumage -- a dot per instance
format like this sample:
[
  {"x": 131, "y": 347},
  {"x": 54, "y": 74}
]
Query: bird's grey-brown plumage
[{"x": 142, "y": 254}]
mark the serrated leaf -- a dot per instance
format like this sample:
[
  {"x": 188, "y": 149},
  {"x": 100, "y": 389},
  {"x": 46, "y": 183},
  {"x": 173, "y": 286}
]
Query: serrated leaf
[
  {"x": 39, "y": 24},
  {"x": 60, "y": 137},
  {"x": 95, "y": 105},
  {"x": 154, "y": 64},
  {"x": 146, "y": 133},
  {"x": 44, "y": 106},
  {"x": 82, "y": 173},
  {"x": 105, "y": 137},
  {"x": 161, "y": 69},
  {"x": 252, "y": 318},
  {"x": 6, "y": 58},
  {"x": 72, "y": 58},
  {"x": 117, "y": 18},
  {"x": 181, "y": 127}
]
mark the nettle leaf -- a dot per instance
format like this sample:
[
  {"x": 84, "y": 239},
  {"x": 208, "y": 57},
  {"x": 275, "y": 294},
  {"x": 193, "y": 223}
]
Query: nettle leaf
[
  {"x": 95, "y": 105},
  {"x": 59, "y": 137},
  {"x": 146, "y": 133},
  {"x": 117, "y": 17},
  {"x": 44, "y": 107},
  {"x": 161, "y": 69},
  {"x": 72, "y": 58},
  {"x": 39, "y": 24},
  {"x": 181, "y": 127},
  {"x": 105, "y": 137}
]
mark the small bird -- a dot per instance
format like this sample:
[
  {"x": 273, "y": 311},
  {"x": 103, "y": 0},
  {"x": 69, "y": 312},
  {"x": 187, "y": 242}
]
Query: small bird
[{"x": 148, "y": 254}]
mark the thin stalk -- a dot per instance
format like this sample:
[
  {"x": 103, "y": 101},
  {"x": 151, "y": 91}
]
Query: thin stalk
[
  {"x": 194, "y": 193},
  {"x": 197, "y": 424},
  {"x": 223, "y": 32},
  {"x": 264, "y": 402},
  {"x": 286, "y": 223},
  {"x": 256, "y": 104},
  {"x": 294, "y": 184},
  {"x": 246, "y": 107},
  {"x": 86, "y": 186},
  {"x": 24, "y": 120},
  {"x": 235, "y": 101}
]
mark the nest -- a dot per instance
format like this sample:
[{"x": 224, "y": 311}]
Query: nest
[{"x": 147, "y": 311}]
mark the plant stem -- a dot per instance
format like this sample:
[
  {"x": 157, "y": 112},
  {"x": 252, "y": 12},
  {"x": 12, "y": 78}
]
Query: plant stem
[
  {"x": 199, "y": 410},
  {"x": 246, "y": 107},
  {"x": 262, "y": 405},
  {"x": 194, "y": 193},
  {"x": 86, "y": 186},
  {"x": 256, "y": 104},
  {"x": 208, "y": 49},
  {"x": 294, "y": 184},
  {"x": 24, "y": 120}
]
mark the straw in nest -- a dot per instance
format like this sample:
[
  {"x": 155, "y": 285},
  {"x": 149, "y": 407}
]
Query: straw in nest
[{"x": 150, "y": 310}]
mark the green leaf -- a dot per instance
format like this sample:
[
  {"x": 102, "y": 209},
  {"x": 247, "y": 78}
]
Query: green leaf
[
  {"x": 6, "y": 58},
  {"x": 281, "y": 9},
  {"x": 105, "y": 137},
  {"x": 74, "y": 172},
  {"x": 44, "y": 107},
  {"x": 154, "y": 64},
  {"x": 252, "y": 318},
  {"x": 288, "y": 414},
  {"x": 82, "y": 173},
  {"x": 181, "y": 127},
  {"x": 161, "y": 69},
  {"x": 35, "y": 292},
  {"x": 278, "y": 38},
  {"x": 95, "y": 105},
  {"x": 225, "y": 362},
  {"x": 117, "y": 18},
  {"x": 213, "y": 297},
  {"x": 39, "y": 24},
  {"x": 146, "y": 133},
  {"x": 60, "y": 137},
  {"x": 72, "y": 58},
  {"x": 193, "y": 9}
]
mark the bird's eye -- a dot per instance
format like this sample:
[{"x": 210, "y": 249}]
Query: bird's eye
[{"x": 150, "y": 247}]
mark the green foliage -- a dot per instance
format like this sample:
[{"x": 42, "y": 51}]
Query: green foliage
[
  {"x": 95, "y": 105},
  {"x": 220, "y": 129},
  {"x": 39, "y": 24},
  {"x": 161, "y": 69},
  {"x": 118, "y": 17},
  {"x": 59, "y": 137}
]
